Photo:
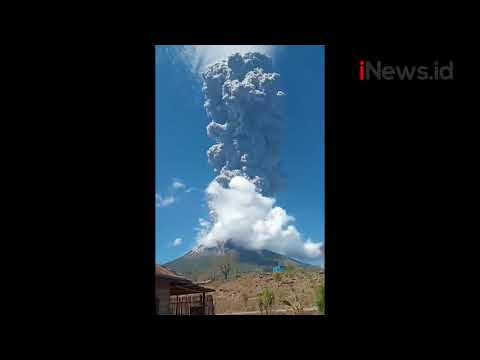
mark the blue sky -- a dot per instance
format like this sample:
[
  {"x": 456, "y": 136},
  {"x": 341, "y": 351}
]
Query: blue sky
[{"x": 182, "y": 142}]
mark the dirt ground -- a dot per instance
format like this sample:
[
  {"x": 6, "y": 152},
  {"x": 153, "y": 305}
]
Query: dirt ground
[{"x": 228, "y": 295}]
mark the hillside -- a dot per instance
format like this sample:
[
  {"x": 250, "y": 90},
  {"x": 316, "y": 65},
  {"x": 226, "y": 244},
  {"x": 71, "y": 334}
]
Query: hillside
[
  {"x": 203, "y": 263},
  {"x": 228, "y": 295}
]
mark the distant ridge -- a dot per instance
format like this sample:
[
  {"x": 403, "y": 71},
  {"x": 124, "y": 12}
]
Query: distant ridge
[{"x": 203, "y": 263}]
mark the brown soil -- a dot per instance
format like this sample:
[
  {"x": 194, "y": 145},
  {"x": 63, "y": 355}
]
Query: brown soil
[{"x": 228, "y": 295}]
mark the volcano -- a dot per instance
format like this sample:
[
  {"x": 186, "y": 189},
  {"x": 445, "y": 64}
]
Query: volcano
[{"x": 202, "y": 263}]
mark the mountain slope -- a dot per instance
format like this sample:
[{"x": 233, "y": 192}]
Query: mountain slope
[{"x": 203, "y": 263}]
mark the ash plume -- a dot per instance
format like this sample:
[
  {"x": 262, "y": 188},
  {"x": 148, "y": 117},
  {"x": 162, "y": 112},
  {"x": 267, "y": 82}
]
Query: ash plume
[{"x": 243, "y": 104}]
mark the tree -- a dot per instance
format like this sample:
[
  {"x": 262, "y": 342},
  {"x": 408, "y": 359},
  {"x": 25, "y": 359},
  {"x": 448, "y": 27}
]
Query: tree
[
  {"x": 260, "y": 305},
  {"x": 320, "y": 299},
  {"x": 225, "y": 269}
]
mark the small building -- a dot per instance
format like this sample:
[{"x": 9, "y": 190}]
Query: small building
[
  {"x": 278, "y": 269},
  {"x": 176, "y": 295}
]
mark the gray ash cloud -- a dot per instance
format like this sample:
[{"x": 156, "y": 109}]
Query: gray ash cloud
[{"x": 243, "y": 103}]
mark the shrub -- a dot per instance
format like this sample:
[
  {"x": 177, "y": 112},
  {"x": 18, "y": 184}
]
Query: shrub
[
  {"x": 320, "y": 299},
  {"x": 266, "y": 301},
  {"x": 245, "y": 299},
  {"x": 295, "y": 304}
]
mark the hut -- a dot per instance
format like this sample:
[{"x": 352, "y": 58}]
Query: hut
[
  {"x": 176, "y": 295},
  {"x": 278, "y": 269}
]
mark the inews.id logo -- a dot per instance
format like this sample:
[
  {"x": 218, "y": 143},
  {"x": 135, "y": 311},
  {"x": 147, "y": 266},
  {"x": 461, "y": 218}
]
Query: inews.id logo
[{"x": 369, "y": 70}]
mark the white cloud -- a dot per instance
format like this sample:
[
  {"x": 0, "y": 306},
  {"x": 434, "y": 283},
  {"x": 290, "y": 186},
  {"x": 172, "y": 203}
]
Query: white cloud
[
  {"x": 178, "y": 184},
  {"x": 198, "y": 57},
  {"x": 251, "y": 220},
  {"x": 163, "y": 201},
  {"x": 177, "y": 242},
  {"x": 203, "y": 222}
]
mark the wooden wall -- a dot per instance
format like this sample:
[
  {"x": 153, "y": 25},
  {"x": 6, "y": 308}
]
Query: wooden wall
[{"x": 162, "y": 293}]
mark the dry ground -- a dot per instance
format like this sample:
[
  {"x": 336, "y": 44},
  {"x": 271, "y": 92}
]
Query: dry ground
[{"x": 228, "y": 294}]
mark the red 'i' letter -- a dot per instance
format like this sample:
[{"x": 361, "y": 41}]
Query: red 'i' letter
[{"x": 362, "y": 70}]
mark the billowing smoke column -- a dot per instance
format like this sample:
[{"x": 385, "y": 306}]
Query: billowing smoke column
[
  {"x": 243, "y": 105},
  {"x": 242, "y": 102}
]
